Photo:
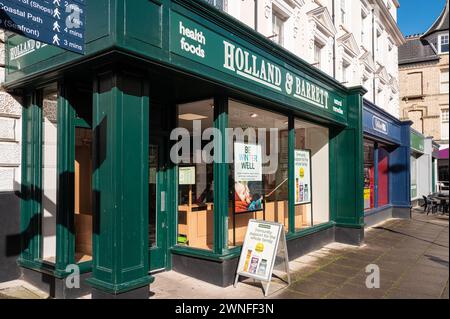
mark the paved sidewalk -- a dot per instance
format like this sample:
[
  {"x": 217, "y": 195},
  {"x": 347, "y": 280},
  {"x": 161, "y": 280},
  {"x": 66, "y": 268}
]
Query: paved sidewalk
[
  {"x": 413, "y": 257},
  {"x": 18, "y": 289}
]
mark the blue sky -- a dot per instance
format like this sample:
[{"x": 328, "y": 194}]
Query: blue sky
[{"x": 416, "y": 16}]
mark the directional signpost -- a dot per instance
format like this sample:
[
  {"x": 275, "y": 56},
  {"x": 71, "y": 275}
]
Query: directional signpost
[{"x": 57, "y": 22}]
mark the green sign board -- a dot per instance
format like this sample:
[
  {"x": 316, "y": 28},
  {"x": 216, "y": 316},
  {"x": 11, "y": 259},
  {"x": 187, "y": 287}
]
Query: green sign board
[
  {"x": 196, "y": 42},
  {"x": 417, "y": 142},
  {"x": 22, "y": 52}
]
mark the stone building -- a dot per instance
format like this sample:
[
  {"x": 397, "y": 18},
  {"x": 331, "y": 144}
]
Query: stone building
[
  {"x": 424, "y": 80},
  {"x": 10, "y": 153},
  {"x": 356, "y": 42}
]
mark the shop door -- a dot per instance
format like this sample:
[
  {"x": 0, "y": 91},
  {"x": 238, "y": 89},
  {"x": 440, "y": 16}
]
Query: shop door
[{"x": 157, "y": 191}]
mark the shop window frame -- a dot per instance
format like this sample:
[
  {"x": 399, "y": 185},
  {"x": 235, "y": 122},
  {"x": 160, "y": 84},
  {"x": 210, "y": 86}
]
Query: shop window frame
[
  {"x": 31, "y": 203},
  {"x": 221, "y": 251},
  {"x": 376, "y": 157}
]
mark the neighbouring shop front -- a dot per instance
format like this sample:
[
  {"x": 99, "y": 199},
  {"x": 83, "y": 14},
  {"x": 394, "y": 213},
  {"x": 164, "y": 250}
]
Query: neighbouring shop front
[
  {"x": 129, "y": 165},
  {"x": 434, "y": 151},
  {"x": 421, "y": 183},
  {"x": 386, "y": 166}
]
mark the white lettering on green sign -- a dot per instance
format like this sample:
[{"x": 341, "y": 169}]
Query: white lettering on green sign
[
  {"x": 25, "y": 48},
  {"x": 252, "y": 67},
  {"x": 196, "y": 42}
]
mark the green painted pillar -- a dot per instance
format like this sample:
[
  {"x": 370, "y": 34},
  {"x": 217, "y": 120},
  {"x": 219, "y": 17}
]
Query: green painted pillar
[
  {"x": 30, "y": 219},
  {"x": 120, "y": 184},
  {"x": 221, "y": 177},
  {"x": 65, "y": 237},
  {"x": 348, "y": 173}
]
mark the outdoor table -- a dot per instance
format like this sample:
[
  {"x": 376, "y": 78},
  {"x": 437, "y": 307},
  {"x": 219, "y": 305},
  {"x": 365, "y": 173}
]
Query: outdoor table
[{"x": 444, "y": 201}]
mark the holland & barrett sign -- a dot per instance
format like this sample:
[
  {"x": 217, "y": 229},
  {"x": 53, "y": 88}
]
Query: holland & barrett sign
[{"x": 196, "y": 42}]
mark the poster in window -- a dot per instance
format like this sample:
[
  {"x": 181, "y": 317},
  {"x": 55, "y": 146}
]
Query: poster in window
[
  {"x": 248, "y": 177},
  {"x": 302, "y": 177},
  {"x": 186, "y": 175}
]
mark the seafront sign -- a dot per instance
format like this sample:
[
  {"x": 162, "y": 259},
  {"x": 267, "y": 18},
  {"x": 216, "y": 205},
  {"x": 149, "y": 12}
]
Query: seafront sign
[
  {"x": 60, "y": 23},
  {"x": 196, "y": 42}
]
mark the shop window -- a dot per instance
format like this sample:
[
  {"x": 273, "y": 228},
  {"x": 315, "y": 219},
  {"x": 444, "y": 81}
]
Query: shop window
[
  {"x": 311, "y": 175},
  {"x": 413, "y": 177},
  {"x": 195, "y": 178},
  {"x": 259, "y": 172},
  {"x": 383, "y": 177},
  {"x": 83, "y": 194},
  {"x": 152, "y": 190},
  {"x": 49, "y": 172},
  {"x": 369, "y": 175}
]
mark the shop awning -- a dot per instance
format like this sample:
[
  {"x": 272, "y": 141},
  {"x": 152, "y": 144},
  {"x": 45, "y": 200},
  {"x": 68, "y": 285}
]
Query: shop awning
[{"x": 443, "y": 154}]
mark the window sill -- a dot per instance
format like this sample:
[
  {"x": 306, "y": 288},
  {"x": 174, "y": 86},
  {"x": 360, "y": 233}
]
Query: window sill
[
  {"x": 374, "y": 211},
  {"x": 236, "y": 251}
]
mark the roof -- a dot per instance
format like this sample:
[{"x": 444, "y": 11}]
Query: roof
[
  {"x": 415, "y": 50},
  {"x": 441, "y": 24}
]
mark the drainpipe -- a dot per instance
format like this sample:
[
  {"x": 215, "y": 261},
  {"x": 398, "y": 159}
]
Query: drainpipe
[
  {"x": 373, "y": 54},
  {"x": 256, "y": 15},
  {"x": 334, "y": 38}
]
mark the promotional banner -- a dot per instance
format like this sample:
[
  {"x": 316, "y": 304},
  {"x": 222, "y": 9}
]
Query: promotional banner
[
  {"x": 248, "y": 177},
  {"x": 259, "y": 250},
  {"x": 302, "y": 177}
]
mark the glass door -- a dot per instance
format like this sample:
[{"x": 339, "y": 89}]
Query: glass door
[{"x": 157, "y": 190}]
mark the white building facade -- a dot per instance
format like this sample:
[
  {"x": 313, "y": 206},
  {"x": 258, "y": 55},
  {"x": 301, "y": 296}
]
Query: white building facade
[{"x": 354, "y": 41}]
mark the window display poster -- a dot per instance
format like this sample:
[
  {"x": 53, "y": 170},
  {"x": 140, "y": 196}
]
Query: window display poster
[
  {"x": 259, "y": 250},
  {"x": 248, "y": 178},
  {"x": 186, "y": 175},
  {"x": 302, "y": 177},
  {"x": 247, "y": 162}
]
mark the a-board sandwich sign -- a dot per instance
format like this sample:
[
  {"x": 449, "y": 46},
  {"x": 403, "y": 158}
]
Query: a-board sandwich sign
[
  {"x": 264, "y": 243},
  {"x": 56, "y": 22}
]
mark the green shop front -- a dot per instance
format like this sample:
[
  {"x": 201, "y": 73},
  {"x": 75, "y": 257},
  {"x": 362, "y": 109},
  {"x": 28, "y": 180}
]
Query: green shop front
[{"x": 132, "y": 157}]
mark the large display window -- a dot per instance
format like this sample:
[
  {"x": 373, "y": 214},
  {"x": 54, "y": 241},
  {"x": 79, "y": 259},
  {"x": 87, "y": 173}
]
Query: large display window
[
  {"x": 413, "y": 176},
  {"x": 383, "y": 177},
  {"x": 49, "y": 172},
  {"x": 369, "y": 175},
  {"x": 195, "y": 177},
  {"x": 259, "y": 171},
  {"x": 311, "y": 174}
]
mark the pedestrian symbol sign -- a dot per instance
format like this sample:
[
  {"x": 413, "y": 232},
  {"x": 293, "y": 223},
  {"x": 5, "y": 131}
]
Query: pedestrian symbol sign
[{"x": 55, "y": 22}]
